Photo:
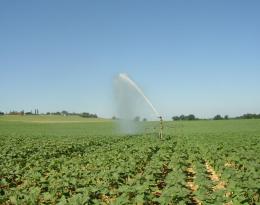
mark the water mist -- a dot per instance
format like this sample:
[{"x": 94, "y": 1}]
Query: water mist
[{"x": 130, "y": 103}]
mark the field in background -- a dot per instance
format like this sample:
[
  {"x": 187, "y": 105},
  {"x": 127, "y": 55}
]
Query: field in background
[{"x": 73, "y": 160}]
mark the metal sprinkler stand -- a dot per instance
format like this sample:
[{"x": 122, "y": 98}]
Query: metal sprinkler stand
[{"x": 161, "y": 127}]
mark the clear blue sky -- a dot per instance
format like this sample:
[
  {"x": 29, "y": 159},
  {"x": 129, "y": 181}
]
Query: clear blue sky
[{"x": 196, "y": 56}]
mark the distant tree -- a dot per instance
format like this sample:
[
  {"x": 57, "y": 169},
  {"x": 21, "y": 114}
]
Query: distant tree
[
  {"x": 217, "y": 117},
  {"x": 28, "y": 113},
  {"x": 64, "y": 112},
  {"x": 57, "y": 113},
  {"x": 137, "y": 119},
  {"x": 226, "y": 117},
  {"x": 144, "y": 120},
  {"x": 182, "y": 117},
  {"x": 176, "y": 118},
  {"x": 22, "y": 112},
  {"x": 2, "y": 113},
  {"x": 85, "y": 114},
  {"x": 114, "y": 118},
  {"x": 88, "y": 115},
  {"x": 250, "y": 116},
  {"x": 191, "y": 117}
]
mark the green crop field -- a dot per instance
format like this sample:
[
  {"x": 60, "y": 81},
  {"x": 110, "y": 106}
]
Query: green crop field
[{"x": 72, "y": 160}]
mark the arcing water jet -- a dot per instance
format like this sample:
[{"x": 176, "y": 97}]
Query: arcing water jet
[
  {"x": 126, "y": 92},
  {"x": 131, "y": 82}
]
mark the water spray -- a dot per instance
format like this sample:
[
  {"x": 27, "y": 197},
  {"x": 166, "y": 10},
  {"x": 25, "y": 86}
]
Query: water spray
[{"x": 123, "y": 78}]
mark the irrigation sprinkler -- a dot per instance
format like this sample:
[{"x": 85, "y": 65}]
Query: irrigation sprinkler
[{"x": 161, "y": 128}]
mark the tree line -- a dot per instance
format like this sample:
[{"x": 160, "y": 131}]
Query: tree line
[
  {"x": 216, "y": 117},
  {"x": 64, "y": 113},
  {"x": 249, "y": 116}
]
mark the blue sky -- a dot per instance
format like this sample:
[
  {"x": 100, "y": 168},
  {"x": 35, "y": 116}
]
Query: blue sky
[{"x": 200, "y": 57}]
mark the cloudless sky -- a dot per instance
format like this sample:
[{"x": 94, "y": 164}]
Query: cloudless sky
[{"x": 189, "y": 56}]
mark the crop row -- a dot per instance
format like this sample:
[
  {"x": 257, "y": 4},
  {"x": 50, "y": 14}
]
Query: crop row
[{"x": 138, "y": 169}]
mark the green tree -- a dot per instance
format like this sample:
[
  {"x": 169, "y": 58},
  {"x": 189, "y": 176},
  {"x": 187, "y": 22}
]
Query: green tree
[
  {"x": 175, "y": 118},
  {"x": 182, "y": 117},
  {"x": 191, "y": 117},
  {"x": 64, "y": 112},
  {"x": 217, "y": 117}
]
